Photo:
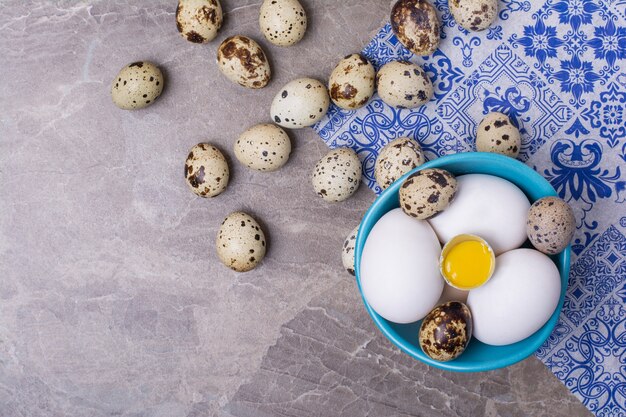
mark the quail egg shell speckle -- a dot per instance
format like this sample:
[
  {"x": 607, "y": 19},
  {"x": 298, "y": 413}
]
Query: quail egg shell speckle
[
  {"x": 243, "y": 61},
  {"x": 337, "y": 175},
  {"x": 404, "y": 85},
  {"x": 199, "y": 20},
  {"x": 206, "y": 170},
  {"x": 396, "y": 159},
  {"x": 347, "y": 253},
  {"x": 351, "y": 83},
  {"x": 282, "y": 22},
  {"x": 446, "y": 331},
  {"x": 496, "y": 133},
  {"x": 300, "y": 103},
  {"x": 240, "y": 242},
  {"x": 474, "y": 15},
  {"x": 551, "y": 225},
  {"x": 416, "y": 25},
  {"x": 264, "y": 147},
  {"x": 427, "y": 193},
  {"x": 137, "y": 85}
]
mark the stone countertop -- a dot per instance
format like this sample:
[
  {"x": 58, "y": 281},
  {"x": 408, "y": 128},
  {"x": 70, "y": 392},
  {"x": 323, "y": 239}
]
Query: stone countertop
[{"x": 112, "y": 300}]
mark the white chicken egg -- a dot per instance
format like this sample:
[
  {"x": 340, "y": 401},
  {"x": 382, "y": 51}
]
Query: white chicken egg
[
  {"x": 487, "y": 206},
  {"x": 399, "y": 269},
  {"x": 519, "y": 298}
]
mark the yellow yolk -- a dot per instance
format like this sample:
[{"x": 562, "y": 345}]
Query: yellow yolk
[{"x": 468, "y": 264}]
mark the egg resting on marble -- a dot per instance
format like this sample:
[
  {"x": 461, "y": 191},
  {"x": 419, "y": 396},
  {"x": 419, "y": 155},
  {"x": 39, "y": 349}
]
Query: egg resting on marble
[
  {"x": 426, "y": 193},
  {"x": 240, "y": 242},
  {"x": 263, "y": 147},
  {"x": 347, "y": 253},
  {"x": 206, "y": 170},
  {"x": 551, "y": 225},
  {"x": 404, "y": 85},
  {"x": 474, "y": 15},
  {"x": 337, "y": 175},
  {"x": 198, "y": 21},
  {"x": 282, "y": 22},
  {"x": 446, "y": 331},
  {"x": 137, "y": 85},
  {"x": 300, "y": 103},
  {"x": 416, "y": 25},
  {"x": 396, "y": 159},
  {"x": 351, "y": 84},
  {"x": 496, "y": 133},
  {"x": 243, "y": 62}
]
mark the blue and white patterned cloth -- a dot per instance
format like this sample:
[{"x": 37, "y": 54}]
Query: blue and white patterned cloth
[{"x": 558, "y": 70}]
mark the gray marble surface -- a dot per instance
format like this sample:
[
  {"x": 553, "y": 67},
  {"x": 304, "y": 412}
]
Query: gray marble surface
[{"x": 112, "y": 300}]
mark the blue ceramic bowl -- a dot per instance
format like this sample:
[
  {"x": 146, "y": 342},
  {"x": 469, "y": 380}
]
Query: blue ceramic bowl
[{"x": 478, "y": 356}]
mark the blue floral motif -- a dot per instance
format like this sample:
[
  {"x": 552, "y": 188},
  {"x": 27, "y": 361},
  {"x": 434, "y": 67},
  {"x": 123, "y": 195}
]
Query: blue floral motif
[
  {"x": 540, "y": 41},
  {"x": 494, "y": 32},
  {"x": 575, "y": 12},
  {"x": 511, "y": 6},
  {"x": 576, "y": 77},
  {"x": 609, "y": 115},
  {"x": 466, "y": 48},
  {"x": 609, "y": 43}
]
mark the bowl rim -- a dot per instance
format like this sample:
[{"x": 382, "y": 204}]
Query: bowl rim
[{"x": 562, "y": 262}]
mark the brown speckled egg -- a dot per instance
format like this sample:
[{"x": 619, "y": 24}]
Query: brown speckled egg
[
  {"x": 137, "y": 85},
  {"x": 474, "y": 15},
  {"x": 300, "y": 103},
  {"x": 282, "y": 22},
  {"x": 351, "y": 84},
  {"x": 551, "y": 225},
  {"x": 404, "y": 85},
  {"x": 240, "y": 242},
  {"x": 396, "y": 159},
  {"x": 416, "y": 25},
  {"x": 199, "y": 20},
  {"x": 446, "y": 331},
  {"x": 347, "y": 253},
  {"x": 206, "y": 170},
  {"x": 263, "y": 147},
  {"x": 497, "y": 134},
  {"x": 243, "y": 62},
  {"x": 337, "y": 175},
  {"x": 427, "y": 193}
]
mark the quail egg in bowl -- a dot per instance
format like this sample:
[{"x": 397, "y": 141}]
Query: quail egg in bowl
[{"x": 478, "y": 356}]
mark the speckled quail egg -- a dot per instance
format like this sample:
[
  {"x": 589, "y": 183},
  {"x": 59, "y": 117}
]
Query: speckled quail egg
[
  {"x": 337, "y": 175},
  {"x": 416, "y": 25},
  {"x": 199, "y": 20},
  {"x": 351, "y": 84},
  {"x": 496, "y": 133},
  {"x": 240, "y": 242},
  {"x": 243, "y": 61},
  {"x": 206, "y": 170},
  {"x": 264, "y": 147},
  {"x": 474, "y": 15},
  {"x": 551, "y": 225},
  {"x": 347, "y": 253},
  {"x": 137, "y": 85},
  {"x": 446, "y": 331},
  {"x": 396, "y": 159},
  {"x": 282, "y": 22},
  {"x": 404, "y": 85},
  {"x": 426, "y": 193},
  {"x": 300, "y": 103}
]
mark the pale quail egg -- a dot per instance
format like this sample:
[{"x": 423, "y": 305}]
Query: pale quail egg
[
  {"x": 404, "y": 85},
  {"x": 243, "y": 61},
  {"x": 240, "y": 242},
  {"x": 416, "y": 25},
  {"x": 206, "y": 170},
  {"x": 427, "y": 192},
  {"x": 474, "y": 14},
  {"x": 264, "y": 147},
  {"x": 199, "y": 20},
  {"x": 137, "y": 85},
  {"x": 446, "y": 331},
  {"x": 282, "y": 22},
  {"x": 300, "y": 103},
  {"x": 551, "y": 225},
  {"x": 351, "y": 84},
  {"x": 347, "y": 253},
  {"x": 396, "y": 159},
  {"x": 337, "y": 175},
  {"x": 496, "y": 133}
]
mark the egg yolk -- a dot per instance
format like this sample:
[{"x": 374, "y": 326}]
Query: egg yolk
[{"x": 468, "y": 264}]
